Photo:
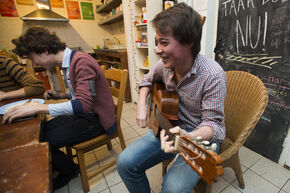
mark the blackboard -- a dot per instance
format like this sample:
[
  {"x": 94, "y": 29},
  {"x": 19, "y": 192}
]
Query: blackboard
[{"x": 254, "y": 36}]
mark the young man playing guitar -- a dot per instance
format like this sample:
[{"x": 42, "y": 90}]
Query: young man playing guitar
[{"x": 201, "y": 86}]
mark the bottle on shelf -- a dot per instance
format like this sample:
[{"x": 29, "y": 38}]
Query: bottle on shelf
[{"x": 144, "y": 14}]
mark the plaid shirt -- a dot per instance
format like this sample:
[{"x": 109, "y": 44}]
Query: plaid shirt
[{"x": 202, "y": 92}]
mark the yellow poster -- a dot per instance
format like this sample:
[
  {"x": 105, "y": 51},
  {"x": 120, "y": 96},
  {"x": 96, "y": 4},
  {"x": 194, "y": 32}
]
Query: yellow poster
[
  {"x": 24, "y": 2},
  {"x": 56, "y": 3}
]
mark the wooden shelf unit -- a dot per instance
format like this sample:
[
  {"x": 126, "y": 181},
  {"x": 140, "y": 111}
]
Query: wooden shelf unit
[
  {"x": 108, "y": 6},
  {"x": 117, "y": 59},
  {"x": 116, "y": 17}
]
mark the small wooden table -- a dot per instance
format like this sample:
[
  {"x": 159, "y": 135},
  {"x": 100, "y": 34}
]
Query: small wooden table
[{"x": 24, "y": 162}]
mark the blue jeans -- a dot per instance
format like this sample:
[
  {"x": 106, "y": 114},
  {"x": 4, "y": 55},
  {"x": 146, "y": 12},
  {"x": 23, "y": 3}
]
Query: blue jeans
[{"x": 146, "y": 153}]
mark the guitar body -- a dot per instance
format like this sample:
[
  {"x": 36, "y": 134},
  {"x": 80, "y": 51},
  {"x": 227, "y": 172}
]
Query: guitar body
[
  {"x": 166, "y": 102},
  {"x": 163, "y": 109}
]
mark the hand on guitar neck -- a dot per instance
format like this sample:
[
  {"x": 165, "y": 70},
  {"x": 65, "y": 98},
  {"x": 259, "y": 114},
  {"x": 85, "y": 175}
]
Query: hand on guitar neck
[
  {"x": 198, "y": 154},
  {"x": 167, "y": 145}
]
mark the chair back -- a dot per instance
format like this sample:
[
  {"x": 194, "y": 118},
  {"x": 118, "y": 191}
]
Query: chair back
[
  {"x": 117, "y": 80},
  {"x": 245, "y": 102}
]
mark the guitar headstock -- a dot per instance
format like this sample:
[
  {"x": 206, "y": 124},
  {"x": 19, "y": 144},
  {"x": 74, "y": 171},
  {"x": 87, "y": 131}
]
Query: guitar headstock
[{"x": 200, "y": 156}]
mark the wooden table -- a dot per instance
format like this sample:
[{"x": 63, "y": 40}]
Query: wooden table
[
  {"x": 24, "y": 162},
  {"x": 18, "y": 133},
  {"x": 25, "y": 169}
]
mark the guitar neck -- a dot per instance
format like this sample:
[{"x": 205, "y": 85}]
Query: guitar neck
[{"x": 201, "y": 158}]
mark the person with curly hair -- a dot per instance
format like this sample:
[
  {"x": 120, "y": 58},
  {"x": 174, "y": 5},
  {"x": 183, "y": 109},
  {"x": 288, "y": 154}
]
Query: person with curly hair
[{"x": 90, "y": 110}]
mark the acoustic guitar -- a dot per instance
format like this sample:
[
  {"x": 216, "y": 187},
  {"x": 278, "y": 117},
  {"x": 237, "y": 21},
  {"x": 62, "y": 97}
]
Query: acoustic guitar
[{"x": 200, "y": 155}]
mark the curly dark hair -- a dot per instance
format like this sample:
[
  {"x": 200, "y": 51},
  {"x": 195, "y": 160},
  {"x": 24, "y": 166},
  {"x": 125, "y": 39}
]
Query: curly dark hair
[
  {"x": 183, "y": 22},
  {"x": 37, "y": 39}
]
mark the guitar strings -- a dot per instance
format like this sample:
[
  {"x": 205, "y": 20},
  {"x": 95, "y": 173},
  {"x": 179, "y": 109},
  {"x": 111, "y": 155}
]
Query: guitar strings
[{"x": 185, "y": 144}]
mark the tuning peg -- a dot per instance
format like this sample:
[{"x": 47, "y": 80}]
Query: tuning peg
[
  {"x": 198, "y": 139},
  {"x": 213, "y": 146},
  {"x": 206, "y": 145},
  {"x": 193, "y": 139}
]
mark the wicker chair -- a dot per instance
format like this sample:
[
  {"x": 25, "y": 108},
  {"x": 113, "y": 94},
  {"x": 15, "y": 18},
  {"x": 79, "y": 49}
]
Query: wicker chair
[
  {"x": 245, "y": 103},
  {"x": 118, "y": 77}
]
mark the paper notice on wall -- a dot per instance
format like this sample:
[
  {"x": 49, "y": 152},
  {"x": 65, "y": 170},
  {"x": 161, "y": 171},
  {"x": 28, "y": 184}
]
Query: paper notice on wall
[
  {"x": 8, "y": 8},
  {"x": 56, "y": 3},
  {"x": 200, "y": 5},
  {"x": 24, "y": 2},
  {"x": 73, "y": 9},
  {"x": 87, "y": 11}
]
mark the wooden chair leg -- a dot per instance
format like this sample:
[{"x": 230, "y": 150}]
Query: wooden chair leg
[
  {"x": 109, "y": 145},
  {"x": 69, "y": 152},
  {"x": 122, "y": 141},
  {"x": 83, "y": 171}
]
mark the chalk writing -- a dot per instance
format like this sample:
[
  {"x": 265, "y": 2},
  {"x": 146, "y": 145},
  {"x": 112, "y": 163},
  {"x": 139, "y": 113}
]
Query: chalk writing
[
  {"x": 261, "y": 60},
  {"x": 254, "y": 36}
]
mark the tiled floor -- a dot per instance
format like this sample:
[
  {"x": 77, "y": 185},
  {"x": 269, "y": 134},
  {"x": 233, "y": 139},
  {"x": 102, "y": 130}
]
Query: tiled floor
[{"x": 260, "y": 174}]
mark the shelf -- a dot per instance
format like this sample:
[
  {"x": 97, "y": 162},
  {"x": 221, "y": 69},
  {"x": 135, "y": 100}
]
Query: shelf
[
  {"x": 142, "y": 47},
  {"x": 142, "y": 24},
  {"x": 108, "y": 6},
  {"x": 140, "y": 3},
  {"x": 112, "y": 19},
  {"x": 144, "y": 68}
]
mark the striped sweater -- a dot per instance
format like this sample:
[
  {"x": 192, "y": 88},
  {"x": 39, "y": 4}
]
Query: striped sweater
[{"x": 13, "y": 77}]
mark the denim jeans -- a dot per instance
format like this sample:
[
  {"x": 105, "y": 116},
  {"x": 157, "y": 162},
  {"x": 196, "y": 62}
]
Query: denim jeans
[{"x": 146, "y": 153}]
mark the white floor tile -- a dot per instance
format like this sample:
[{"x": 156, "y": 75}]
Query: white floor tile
[
  {"x": 119, "y": 188},
  {"x": 286, "y": 187},
  {"x": 230, "y": 189},
  {"x": 255, "y": 184},
  {"x": 130, "y": 141},
  {"x": 129, "y": 133},
  {"x": 112, "y": 176},
  {"x": 124, "y": 124},
  {"x": 229, "y": 174},
  {"x": 75, "y": 185},
  {"x": 105, "y": 156},
  {"x": 104, "y": 191},
  {"x": 129, "y": 116},
  {"x": 219, "y": 185},
  {"x": 155, "y": 178},
  {"x": 271, "y": 171},
  {"x": 139, "y": 130},
  {"x": 248, "y": 157},
  {"x": 98, "y": 184}
]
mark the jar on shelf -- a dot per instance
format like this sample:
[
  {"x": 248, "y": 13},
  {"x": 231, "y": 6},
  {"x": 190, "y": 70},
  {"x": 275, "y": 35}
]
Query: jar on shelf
[
  {"x": 144, "y": 41},
  {"x": 138, "y": 38}
]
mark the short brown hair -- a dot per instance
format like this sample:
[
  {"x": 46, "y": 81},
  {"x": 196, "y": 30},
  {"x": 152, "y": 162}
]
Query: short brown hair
[
  {"x": 184, "y": 22},
  {"x": 37, "y": 39}
]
